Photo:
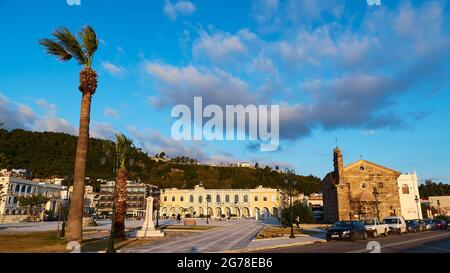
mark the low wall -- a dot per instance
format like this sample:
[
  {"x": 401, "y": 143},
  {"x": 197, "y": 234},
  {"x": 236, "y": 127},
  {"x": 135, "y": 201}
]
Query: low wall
[
  {"x": 12, "y": 218},
  {"x": 310, "y": 226}
]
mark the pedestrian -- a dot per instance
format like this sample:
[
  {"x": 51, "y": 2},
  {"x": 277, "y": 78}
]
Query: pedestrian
[
  {"x": 178, "y": 218},
  {"x": 297, "y": 221}
]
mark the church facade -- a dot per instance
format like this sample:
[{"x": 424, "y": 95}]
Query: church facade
[{"x": 360, "y": 190}]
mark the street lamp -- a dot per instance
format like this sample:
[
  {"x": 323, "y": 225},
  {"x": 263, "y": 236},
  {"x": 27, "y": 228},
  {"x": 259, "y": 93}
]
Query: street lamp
[
  {"x": 417, "y": 204},
  {"x": 376, "y": 193},
  {"x": 208, "y": 197},
  {"x": 113, "y": 216},
  {"x": 158, "y": 206},
  {"x": 62, "y": 233},
  {"x": 290, "y": 184},
  {"x": 439, "y": 207}
]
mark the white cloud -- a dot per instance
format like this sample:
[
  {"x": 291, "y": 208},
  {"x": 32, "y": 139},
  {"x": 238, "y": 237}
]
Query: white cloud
[
  {"x": 111, "y": 113},
  {"x": 113, "y": 69},
  {"x": 73, "y": 2},
  {"x": 184, "y": 8},
  {"x": 20, "y": 116},
  {"x": 51, "y": 123},
  {"x": 369, "y": 132},
  {"x": 179, "y": 85},
  {"x": 103, "y": 130},
  {"x": 223, "y": 47},
  {"x": 44, "y": 105},
  {"x": 154, "y": 142}
]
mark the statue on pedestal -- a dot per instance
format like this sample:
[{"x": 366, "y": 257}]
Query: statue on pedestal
[{"x": 148, "y": 229}]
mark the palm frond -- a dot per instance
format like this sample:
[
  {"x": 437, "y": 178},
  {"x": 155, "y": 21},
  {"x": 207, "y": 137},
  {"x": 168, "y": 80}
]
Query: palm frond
[
  {"x": 53, "y": 48},
  {"x": 89, "y": 41},
  {"x": 124, "y": 147},
  {"x": 70, "y": 44}
]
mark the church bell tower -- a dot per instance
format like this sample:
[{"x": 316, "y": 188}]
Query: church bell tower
[{"x": 338, "y": 165}]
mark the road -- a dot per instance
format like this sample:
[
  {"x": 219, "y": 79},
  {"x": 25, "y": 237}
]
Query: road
[
  {"x": 424, "y": 242},
  {"x": 233, "y": 235}
]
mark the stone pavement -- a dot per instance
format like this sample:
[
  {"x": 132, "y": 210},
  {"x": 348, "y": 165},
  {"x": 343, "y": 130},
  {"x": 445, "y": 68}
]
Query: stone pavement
[
  {"x": 234, "y": 234},
  {"x": 28, "y": 227},
  {"x": 272, "y": 243}
]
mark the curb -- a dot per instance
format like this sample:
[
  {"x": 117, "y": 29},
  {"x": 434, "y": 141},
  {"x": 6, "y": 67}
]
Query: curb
[
  {"x": 244, "y": 250},
  {"x": 279, "y": 238}
]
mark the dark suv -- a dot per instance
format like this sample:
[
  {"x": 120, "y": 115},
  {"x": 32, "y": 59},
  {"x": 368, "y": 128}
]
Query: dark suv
[{"x": 350, "y": 230}]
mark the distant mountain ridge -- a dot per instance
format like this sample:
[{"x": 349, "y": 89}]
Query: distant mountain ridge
[{"x": 48, "y": 154}]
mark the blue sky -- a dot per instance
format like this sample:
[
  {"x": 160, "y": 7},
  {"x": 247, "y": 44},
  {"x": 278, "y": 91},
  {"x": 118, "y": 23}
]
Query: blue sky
[{"x": 375, "y": 77}]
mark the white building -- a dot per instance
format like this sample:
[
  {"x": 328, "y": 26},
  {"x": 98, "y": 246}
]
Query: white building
[
  {"x": 14, "y": 187},
  {"x": 244, "y": 164},
  {"x": 408, "y": 190}
]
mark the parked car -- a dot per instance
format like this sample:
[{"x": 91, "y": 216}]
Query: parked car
[
  {"x": 350, "y": 230},
  {"x": 448, "y": 223},
  {"x": 374, "y": 227},
  {"x": 423, "y": 225},
  {"x": 396, "y": 224},
  {"x": 440, "y": 224},
  {"x": 318, "y": 215},
  {"x": 429, "y": 224},
  {"x": 413, "y": 226}
]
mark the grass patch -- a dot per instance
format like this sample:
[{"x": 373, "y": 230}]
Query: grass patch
[
  {"x": 276, "y": 232},
  {"x": 38, "y": 242}
]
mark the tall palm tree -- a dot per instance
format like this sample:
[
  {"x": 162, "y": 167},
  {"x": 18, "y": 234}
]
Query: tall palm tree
[
  {"x": 82, "y": 48},
  {"x": 124, "y": 149}
]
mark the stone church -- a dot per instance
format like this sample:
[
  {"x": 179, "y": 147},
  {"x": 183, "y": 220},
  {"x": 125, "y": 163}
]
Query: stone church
[{"x": 360, "y": 190}]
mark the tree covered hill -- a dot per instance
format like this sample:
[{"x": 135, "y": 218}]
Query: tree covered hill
[{"x": 48, "y": 154}]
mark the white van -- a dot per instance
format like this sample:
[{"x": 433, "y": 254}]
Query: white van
[{"x": 396, "y": 224}]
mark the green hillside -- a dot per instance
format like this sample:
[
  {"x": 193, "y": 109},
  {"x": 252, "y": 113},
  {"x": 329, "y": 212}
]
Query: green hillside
[{"x": 52, "y": 154}]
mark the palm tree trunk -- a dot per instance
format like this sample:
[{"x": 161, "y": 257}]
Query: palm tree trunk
[
  {"x": 75, "y": 220},
  {"x": 121, "y": 204}
]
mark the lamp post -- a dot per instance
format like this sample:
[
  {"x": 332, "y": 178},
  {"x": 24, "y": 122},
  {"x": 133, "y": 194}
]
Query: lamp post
[
  {"x": 62, "y": 234},
  {"x": 113, "y": 216},
  {"x": 207, "y": 210},
  {"x": 417, "y": 204},
  {"x": 439, "y": 207},
  {"x": 290, "y": 183},
  {"x": 376, "y": 194},
  {"x": 158, "y": 206}
]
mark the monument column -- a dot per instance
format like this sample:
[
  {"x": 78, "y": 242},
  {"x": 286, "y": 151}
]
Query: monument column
[{"x": 148, "y": 229}]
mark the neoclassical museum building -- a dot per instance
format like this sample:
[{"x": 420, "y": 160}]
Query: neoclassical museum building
[{"x": 259, "y": 203}]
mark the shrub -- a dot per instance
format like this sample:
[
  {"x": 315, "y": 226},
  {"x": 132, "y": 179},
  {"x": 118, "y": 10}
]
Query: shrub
[
  {"x": 301, "y": 211},
  {"x": 187, "y": 215}
]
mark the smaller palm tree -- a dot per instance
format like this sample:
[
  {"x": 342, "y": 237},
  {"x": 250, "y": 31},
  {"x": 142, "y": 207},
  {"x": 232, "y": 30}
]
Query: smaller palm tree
[{"x": 125, "y": 150}]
